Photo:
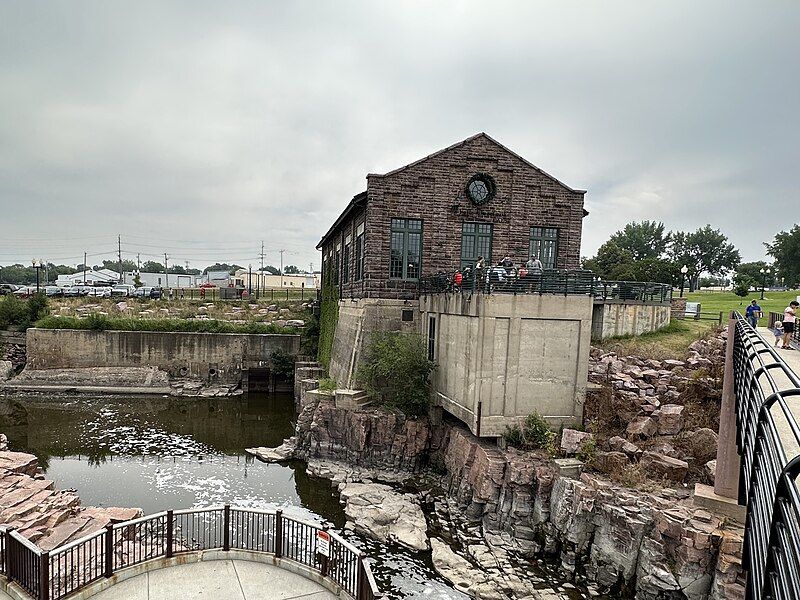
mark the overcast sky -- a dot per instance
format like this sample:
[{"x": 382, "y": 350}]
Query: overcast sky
[{"x": 202, "y": 128}]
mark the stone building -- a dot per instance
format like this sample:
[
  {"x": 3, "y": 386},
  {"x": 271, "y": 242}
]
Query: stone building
[
  {"x": 500, "y": 356},
  {"x": 474, "y": 198}
]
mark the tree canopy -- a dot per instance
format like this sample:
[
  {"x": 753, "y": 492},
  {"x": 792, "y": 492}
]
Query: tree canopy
[
  {"x": 785, "y": 249},
  {"x": 645, "y": 239}
]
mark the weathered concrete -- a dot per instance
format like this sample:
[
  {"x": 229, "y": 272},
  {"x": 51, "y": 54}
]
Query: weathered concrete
[
  {"x": 209, "y": 356},
  {"x": 503, "y": 356},
  {"x": 616, "y": 318}
]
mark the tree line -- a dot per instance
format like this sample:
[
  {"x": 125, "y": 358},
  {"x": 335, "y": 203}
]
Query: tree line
[
  {"x": 20, "y": 274},
  {"x": 646, "y": 251}
]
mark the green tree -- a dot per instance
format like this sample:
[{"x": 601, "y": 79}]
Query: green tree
[
  {"x": 231, "y": 269},
  {"x": 291, "y": 270},
  {"x": 785, "y": 249},
  {"x": 611, "y": 262},
  {"x": 706, "y": 250},
  {"x": 271, "y": 270},
  {"x": 177, "y": 270},
  {"x": 151, "y": 266},
  {"x": 113, "y": 265},
  {"x": 645, "y": 239}
]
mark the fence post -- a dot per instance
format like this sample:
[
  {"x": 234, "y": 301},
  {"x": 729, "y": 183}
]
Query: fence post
[
  {"x": 272, "y": 294},
  {"x": 226, "y": 536},
  {"x": 10, "y": 546},
  {"x": 287, "y": 294},
  {"x": 170, "y": 534},
  {"x": 44, "y": 575},
  {"x": 278, "y": 533},
  {"x": 323, "y": 570},
  {"x": 726, "y": 483},
  {"x": 109, "y": 539},
  {"x": 361, "y": 582}
]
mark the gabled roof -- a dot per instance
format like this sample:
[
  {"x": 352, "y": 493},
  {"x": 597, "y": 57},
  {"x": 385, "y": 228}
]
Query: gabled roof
[
  {"x": 357, "y": 201},
  {"x": 469, "y": 139}
]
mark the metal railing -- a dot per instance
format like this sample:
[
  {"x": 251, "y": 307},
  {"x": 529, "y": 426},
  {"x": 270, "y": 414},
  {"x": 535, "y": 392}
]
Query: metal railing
[
  {"x": 60, "y": 572},
  {"x": 768, "y": 440},
  {"x": 775, "y": 317},
  {"x": 551, "y": 281}
]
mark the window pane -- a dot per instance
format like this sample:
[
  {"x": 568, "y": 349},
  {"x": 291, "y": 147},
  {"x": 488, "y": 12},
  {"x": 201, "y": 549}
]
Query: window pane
[
  {"x": 484, "y": 245},
  {"x": 536, "y": 232},
  {"x": 396, "y": 261},
  {"x": 414, "y": 224},
  {"x": 398, "y": 223},
  {"x": 414, "y": 241},
  {"x": 485, "y": 228},
  {"x": 468, "y": 228}
]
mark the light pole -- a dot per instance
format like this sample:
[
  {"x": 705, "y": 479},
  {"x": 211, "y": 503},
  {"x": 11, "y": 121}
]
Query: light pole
[
  {"x": 764, "y": 272},
  {"x": 684, "y": 271},
  {"x": 37, "y": 265}
]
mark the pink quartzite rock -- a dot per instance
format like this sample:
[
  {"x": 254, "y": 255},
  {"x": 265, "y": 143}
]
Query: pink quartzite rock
[
  {"x": 670, "y": 419},
  {"x": 573, "y": 440},
  {"x": 659, "y": 465},
  {"x": 642, "y": 428}
]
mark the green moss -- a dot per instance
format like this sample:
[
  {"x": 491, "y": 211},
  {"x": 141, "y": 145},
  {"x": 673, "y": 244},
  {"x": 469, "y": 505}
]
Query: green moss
[
  {"x": 328, "y": 318},
  {"x": 98, "y": 322}
]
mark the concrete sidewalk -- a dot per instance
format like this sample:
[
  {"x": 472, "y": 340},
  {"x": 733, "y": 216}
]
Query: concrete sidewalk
[{"x": 216, "y": 580}]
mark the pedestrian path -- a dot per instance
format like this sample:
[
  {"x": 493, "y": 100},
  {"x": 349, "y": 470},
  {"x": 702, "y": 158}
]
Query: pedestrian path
[{"x": 216, "y": 580}]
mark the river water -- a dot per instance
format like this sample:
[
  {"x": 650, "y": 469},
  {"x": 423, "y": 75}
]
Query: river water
[{"x": 161, "y": 452}]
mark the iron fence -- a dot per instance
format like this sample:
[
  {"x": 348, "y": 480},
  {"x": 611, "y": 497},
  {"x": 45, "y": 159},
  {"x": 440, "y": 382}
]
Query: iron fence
[
  {"x": 768, "y": 440},
  {"x": 775, "y": 317},
  {"x": 71, "y": 567},
  {"x": 550, "y": 281}
]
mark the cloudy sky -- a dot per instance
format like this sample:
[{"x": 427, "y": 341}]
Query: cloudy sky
[{"x": 201, "y": 128}]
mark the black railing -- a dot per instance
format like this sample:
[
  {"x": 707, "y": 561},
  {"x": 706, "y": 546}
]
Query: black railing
[
  {"x": 768, "y": 439},
  {"x": 551, "y": 281},
  {"x": 71, "y": 567},
  {"x": 775, "y": 317}
]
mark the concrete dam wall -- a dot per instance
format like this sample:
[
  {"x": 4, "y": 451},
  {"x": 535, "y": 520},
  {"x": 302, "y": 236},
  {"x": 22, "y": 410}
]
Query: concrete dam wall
[{"x": 218, "y": 356}]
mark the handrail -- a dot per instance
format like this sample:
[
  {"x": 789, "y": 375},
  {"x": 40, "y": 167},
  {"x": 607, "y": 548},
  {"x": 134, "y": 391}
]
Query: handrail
[
  {"x": 72, "y": 566},
  {"x": 763, "y": 385}
]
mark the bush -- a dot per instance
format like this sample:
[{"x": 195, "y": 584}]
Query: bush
[
  {"x": 283, "y": 364},
  {"x": 15, "y": 312},
  {"x": 535, "y": 434},
  {"x": 327, "y": 385},
  {"x": 396, "y": 370}
]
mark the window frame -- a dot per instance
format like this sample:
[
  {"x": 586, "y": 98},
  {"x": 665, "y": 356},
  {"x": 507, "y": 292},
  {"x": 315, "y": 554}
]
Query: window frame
[
  {"x": 406, "y": 232},
  {"x": 542, "y": 236},
  {"x": 476, "y": 237},
  {"x": 346, "y": 260},
  {"x": 358, "y": 247}
]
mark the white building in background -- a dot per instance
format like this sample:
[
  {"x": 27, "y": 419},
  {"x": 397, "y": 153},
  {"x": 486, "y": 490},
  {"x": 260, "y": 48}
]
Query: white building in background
[
  {"x": 166, "y": 280},
  {"x": 99, "y": 277},
  {"x": 266, "y": 281}
]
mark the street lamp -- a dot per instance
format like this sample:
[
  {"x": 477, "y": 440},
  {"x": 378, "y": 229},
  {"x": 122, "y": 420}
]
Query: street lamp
[
  {"x": 684, "y": 271},
  {"x": 764, "y": 272},
  {"x": 37, "y": 264}
]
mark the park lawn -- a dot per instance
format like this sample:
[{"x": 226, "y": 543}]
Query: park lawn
[{"x": 715, "y": 302}]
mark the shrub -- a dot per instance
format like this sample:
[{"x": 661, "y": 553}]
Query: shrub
[
  {"x": 15, "y": 312},
  {"x": 283, "y": 364},
  {"x": 105, "y": 323},
  {"x": 328, "y": 318},
  {"x": 534, "y": 434},
  {"x": 37, "y": 307},
  {"x": 396, "y": 370},
  {"x": 327, "y": 385}
]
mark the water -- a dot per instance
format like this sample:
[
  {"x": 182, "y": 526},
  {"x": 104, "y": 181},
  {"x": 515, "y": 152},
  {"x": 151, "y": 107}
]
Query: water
[{"x": 161, "y": 452}]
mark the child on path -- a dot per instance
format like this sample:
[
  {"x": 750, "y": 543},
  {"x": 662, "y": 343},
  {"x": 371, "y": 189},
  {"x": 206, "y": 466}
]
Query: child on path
[{"x": 777, "y": 331}]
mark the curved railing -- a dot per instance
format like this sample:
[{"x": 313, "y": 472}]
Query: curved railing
[
  {"x": 54, "y": 574},
  {"x": 768, "y": 439},
  {"x": 496, "y": 280}
]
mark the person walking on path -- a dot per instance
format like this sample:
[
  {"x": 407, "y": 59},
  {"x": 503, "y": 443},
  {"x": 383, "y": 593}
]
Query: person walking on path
[
  {"x": 753, "y": 313},
  {"x": 777, "y": 331},
  {"x": 788, "y": 324}
]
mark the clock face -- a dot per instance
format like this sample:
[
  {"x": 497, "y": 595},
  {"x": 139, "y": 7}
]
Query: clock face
[{"x": 480, "y": 189}]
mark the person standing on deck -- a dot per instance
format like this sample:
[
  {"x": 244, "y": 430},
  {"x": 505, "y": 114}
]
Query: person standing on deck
[{"x": 788, "y": 324}]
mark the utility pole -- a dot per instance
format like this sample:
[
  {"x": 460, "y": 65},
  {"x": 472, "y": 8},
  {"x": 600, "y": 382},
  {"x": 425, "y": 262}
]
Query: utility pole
[
  {"x": 311, "y": 268},
  {"x": 138, "y": 263},
  {"x": 166, "y": 272},
  {"x": 119, "y": 256},
  {"x": 261, "y": 272},
  {"x": 84, "y": 268},
  {"x": 282, "y": 251}
]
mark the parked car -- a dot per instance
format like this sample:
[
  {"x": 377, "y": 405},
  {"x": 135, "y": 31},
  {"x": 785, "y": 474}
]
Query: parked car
[
  {"x": 156, "y": 293},
  {"x": 142, "y": 292},
  {"x": 75, "y": 291},
  {"x": 53, "y": 291},
  {"x": 25, "y": 291},
  {"x": 99, "y": 292},
  {"x": 8, "y": 288},
  {"x": 123, "y": 289}
]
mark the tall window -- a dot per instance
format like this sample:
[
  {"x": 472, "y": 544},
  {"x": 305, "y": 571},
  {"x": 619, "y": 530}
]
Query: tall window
[
  {"x": 404, "y": 262},
  {"x": 336, "y": 264},
  {"x": 359, "y": 253},
  {"x": 544, "y": 245},
  {"x": 476, "y": 240},
  {"x": 346, "y": 260}
]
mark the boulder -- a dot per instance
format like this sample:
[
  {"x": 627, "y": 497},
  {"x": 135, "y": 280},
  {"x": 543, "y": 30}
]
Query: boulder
[
  {"x": 461, "y": 573},
  {"x": 700, "y": 444},
  {"x": 381, "y": 513},
  {"x": 281, "y": 453},
  {"x": 573, "y": 440},
  {"x": 710, "y": 469},
  {"x": 670, "y": 419},
  {"x": 6, "y": 369},
  {"x": 642, "y": 428},
  {"x": 660, "y": 465},
  {"x": 610, "y": 462}
]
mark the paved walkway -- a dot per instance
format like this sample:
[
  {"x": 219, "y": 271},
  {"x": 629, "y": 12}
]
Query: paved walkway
[{"x": 217, "y": 580}]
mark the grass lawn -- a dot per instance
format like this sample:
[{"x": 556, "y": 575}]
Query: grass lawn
[
  {"x": 670, "y": 342},
  {"x": 728, "y": 301}
]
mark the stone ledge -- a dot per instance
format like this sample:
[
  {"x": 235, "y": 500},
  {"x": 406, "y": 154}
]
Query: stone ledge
[{"x": 704, "y": 496}]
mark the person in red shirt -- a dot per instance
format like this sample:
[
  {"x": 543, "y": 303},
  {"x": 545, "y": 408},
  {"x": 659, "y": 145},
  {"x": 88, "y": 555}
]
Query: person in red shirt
[{"x": 458, "y": 278}]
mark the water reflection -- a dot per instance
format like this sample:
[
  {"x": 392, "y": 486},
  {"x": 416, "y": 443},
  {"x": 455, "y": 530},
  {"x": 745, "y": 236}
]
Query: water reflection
[{"x": 163, "y": 452}]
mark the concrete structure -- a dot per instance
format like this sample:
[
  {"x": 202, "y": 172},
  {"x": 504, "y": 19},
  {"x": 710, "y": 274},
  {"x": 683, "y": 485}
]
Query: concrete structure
[
  {"x": 171, "y": 280},
  {"x": 218, "y": 357},
  {"x": 99, "y": 277},
  {"x": 266, "y": 281},
  {"x": 502, "y": 357},
  {"x": 611, "y": 318},
  {"x": 474, "y": 198}
]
